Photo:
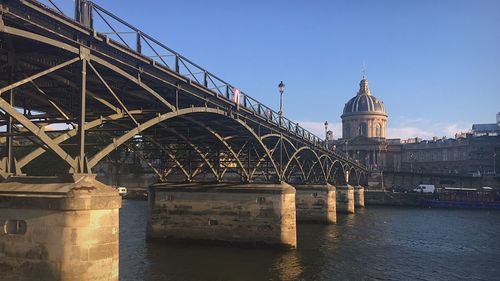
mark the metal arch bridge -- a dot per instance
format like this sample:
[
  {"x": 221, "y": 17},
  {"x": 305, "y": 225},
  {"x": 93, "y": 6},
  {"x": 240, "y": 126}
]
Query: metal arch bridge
[{"x": 108, "y": 93}]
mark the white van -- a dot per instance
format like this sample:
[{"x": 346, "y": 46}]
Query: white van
[
  {"x": 122, "y": 190},
  {"x": 425, "y": 188}
]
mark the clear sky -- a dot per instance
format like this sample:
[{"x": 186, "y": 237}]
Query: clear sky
[{"x": 435, "y": 64}]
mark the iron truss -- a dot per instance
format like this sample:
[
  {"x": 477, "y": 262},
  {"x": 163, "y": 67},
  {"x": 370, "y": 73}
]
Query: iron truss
[{"x": 70, "y": 96}]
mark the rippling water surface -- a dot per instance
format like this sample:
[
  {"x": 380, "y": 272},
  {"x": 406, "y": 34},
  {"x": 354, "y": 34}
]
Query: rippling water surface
[{"x": 377, "y": 243}]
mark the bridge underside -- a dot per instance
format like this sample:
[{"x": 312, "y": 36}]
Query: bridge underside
[{"x": 71, "y": 97}]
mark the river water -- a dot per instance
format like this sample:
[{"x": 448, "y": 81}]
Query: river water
[{"x": 377, "y": 243}]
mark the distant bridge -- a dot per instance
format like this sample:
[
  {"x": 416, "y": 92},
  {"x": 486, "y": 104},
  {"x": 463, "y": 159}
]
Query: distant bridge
[{"x": 187, "y": 123}]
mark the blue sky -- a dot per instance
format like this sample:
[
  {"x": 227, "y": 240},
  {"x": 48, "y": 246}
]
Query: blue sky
[{"x": 435, "y": 64}]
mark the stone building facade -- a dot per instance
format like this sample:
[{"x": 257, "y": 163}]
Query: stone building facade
[
  {"x": 364, "y": 124},
  {"x": 470, "y": 155}
]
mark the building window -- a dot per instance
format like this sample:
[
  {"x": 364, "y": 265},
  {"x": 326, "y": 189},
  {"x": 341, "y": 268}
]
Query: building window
[
  {"x": 362, "y": 129},
  {"x": 378, "y": 131}
]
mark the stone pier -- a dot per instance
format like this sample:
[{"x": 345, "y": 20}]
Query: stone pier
[
  {"x": 58, "y": 228},
  {"x": 259, "y": 214},
  {"x": 345, "y": 199},
  {"x": 359, "y": 196},
  {"x": 316, "y": 203}
]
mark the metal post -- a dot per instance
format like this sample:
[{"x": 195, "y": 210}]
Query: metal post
[
  {"x": 189, "y": 156},
  {"x": 83, "y": 13},
  {"x": 281, "y": 88},
  {"x": 177, "y": 97},
  {"x": 249, "y": 152},
  {"x": 138, "y": 45},
  {"x": 218, "y": 165},
  {"x": 281, "y": 157},
  {"x": 10, "y": 156},
  {"x": 190, "y": 171},
  {"x": 81, "y": 125},
  {"x": 281, "y": 104},
  {"x": 177, "y": 66}
]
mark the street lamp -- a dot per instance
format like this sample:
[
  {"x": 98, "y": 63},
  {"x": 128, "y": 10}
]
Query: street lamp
[
  {"x": 281, "y": 88},
  {"x": 326, "y": 134}
]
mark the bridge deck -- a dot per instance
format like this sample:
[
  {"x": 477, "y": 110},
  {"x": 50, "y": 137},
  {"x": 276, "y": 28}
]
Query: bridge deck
[{"x": 56, "y": 70}]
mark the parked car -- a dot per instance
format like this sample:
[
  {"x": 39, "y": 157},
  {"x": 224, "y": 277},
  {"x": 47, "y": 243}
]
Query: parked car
[{"x": 425, "y": 188}]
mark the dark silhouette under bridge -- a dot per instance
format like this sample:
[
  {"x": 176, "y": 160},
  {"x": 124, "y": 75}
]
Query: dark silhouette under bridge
[{"x": 107, "y": 93}]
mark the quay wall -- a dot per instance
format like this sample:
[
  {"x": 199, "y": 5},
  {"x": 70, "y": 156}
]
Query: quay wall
[{"x": 379, "y": 197}]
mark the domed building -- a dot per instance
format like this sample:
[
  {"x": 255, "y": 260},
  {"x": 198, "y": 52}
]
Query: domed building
[
  {"x": 364, "y": 115},
  {"x": 456, "y": 161},
  {"x": 364, "y": 127}
]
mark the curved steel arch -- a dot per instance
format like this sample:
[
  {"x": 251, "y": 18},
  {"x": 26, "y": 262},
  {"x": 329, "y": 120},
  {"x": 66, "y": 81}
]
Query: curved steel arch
[
  {"x": 197, "y": 150},
  {"x": 69, "y": 134},
  {"x": 281, "y": 138},
  {"x": 314, "y": 153},
  {"x": 224, "y": 142},
  {"x": 143, "y": 126},
  {"x": 333, "y": 161},
  {"x": 353, "y": 170},
  {"x": 259, "y": 140},
  {"x": 164, "y": 117},
  {"x": 161, "y": 147}
]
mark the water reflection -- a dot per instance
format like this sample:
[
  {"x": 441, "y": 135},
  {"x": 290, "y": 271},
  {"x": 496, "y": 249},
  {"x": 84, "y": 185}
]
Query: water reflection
[{"x": 376, "y": 243}]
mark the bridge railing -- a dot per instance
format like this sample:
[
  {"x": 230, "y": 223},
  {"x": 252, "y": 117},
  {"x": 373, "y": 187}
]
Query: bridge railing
[
  {"x": 133, "y": 38},
  {"x": 169, "y": 58}
]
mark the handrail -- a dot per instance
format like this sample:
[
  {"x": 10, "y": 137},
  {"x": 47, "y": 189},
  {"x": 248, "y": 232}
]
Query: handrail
[
  {"x": 210, "y": 77},
  {"x": 209, "y": 80}
]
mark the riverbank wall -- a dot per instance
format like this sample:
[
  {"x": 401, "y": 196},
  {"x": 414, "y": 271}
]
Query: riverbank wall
[{"x": 379, "y": 197}]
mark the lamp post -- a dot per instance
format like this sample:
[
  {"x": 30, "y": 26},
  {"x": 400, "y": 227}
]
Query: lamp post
[
  {"x": 326, "y": 134},
  {"x": 281, "y": 88}
]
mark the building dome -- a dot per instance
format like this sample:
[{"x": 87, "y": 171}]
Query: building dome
[
  {"x": 364, "y": 115},
  {"x": 364, "y": 101}
]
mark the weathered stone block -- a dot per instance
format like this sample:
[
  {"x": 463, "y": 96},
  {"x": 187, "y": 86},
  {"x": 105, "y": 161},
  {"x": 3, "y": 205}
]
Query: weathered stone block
[
  {"x": 71, "y": 229},
  {"x": 345, "y": 199},
  {"x": 316, "y": 203},
  {"x": 242, "y": 213},
  {"x": 359, "y": 196}
]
